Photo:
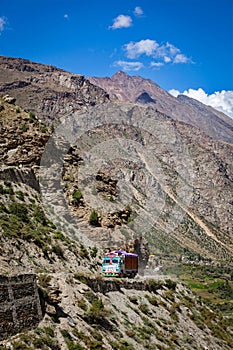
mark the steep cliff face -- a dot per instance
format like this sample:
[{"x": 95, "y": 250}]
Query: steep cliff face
[
  {"x": 47, "y": 91},
  {"x": 125, "y": 88},
  {"x": 23, "y": 136}
]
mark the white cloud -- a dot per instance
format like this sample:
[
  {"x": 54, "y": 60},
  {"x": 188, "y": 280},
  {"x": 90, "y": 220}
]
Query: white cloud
[
  {"x": 121, "y": 21},
  {"x": 174, "y": 92},
  {"x": 180, "y": 58},
  {"x": 2, "y": 23},
  {"x": 220, "y": 100},
  {"x": 138, "y": 11},
  {"x": 167, "y": 59},
  {"x": 156, "y": 64},
  {"x": 166, "y": 53},
  {"x": 127, "y": 66},
  {"x": 147, "y": 47}
]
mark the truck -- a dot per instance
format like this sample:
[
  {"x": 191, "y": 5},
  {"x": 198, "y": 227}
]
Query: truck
[{"x": 120, "y": 263}]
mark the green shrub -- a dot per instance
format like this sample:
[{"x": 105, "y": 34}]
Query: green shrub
[
  {"x": 94, "y": 218},
  {"x": 20, "y": 195},
  {"x": 32, "y": 117},
  {"x": 81, "y": 277},
  {"x": 44, "y": 280},
  {"x": 152, "y": 299},
  {"x": 76, "y": 197},
  {"x": 57, "y": 249},
  {"x": 83, "y": 251},
  {"x": 40, "y": 216},
  {"x": 170, "y": 284},
  {"x": 49, "y": 331},
  {"x": 24, "y": 127},
  {"x": 20, "y": 210},
  {"x": 96, "y": 312},
  {"x": 7, "y": 183},
  {"x": 59, "y": 235},
  {"x": 43, "y": 128},
  {"x": 94, "y": 252},
  {"x": 9, "y": 190},
  {"x": 82, "y": 304},
  {"x": 144, "y": 308},
  {"x": 69, "y": 341}
]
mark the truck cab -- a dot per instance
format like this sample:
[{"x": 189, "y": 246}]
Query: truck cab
[
  {"x": 120, "y": 264},
  {"x": 112, "y": 265}
]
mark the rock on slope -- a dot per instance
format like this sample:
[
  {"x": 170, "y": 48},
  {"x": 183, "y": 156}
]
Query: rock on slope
[{"x": 125, "y": 88}]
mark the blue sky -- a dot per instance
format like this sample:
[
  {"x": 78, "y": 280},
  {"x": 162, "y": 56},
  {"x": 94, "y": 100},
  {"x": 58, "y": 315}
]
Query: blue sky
[{"x": 180, "y": 44}]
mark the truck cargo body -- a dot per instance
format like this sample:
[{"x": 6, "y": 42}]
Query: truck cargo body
[{"x": 120, "y": 263}]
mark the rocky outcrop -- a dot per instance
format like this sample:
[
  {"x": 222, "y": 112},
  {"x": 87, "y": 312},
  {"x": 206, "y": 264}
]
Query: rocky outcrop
[
  {"x": 45, "y": 90},
  {"x": 25, "y": 176},
  {"x": 23, "y": 136}
]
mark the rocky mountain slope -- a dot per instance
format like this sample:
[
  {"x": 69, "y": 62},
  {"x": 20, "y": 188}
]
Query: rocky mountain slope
[
  {"x": 108, "y": 172},
  {"x": 188, "y": 173},
  {"x": 125, "y": 88},
  {"x": 45, "y": 90},
  {"x": 179, "y": 197},
  {"x": 81, "y": 310}
]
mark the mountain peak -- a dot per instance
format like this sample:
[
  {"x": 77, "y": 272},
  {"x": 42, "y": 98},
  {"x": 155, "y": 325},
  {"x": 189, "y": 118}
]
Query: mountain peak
[{"x": 120, "y": 73}]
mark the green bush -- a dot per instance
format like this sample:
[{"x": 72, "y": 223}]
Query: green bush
[
  {"x": 83, "y": 252},
  {"x": 32, "y": 117},
  {"x": 44, "y": 280},
  {"x": 24, "y": 127},
  {"x": 133, "y": 299},
  {"x": 20, "y": 210},
  {"x": 69, "y": 341},
  {"x": 94, "y": 218},
  {"x": 96, "y": 312},
  {"x": 8, "y": 190},
  {"x": 43, "y": 129},
  {"x": 58, "y": 251},
  {"x": 144, "y": 308},
  {"x": 59, "y": 235},
  {"x": 152, "y": 299},
  {"x": 76, "y": 197},
  {"x": 20, "y": 195},
  {"x": 94, "y": 252},
  {"x": 40, "y": 216}
]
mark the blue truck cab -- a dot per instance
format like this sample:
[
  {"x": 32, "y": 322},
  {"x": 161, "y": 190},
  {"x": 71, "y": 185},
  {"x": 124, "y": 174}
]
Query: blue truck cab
[{"x": 119, "y": 263}]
